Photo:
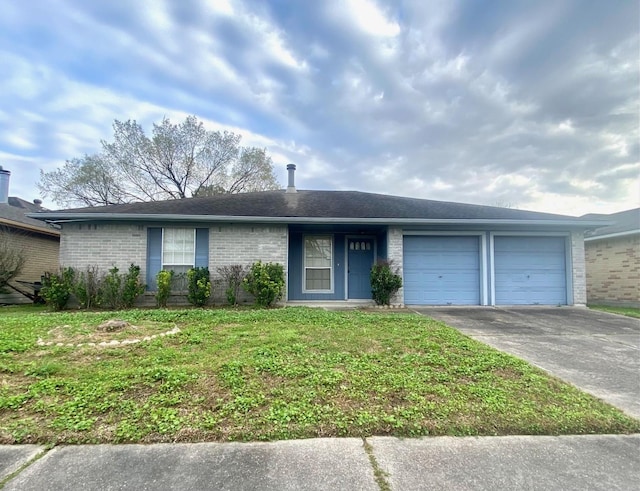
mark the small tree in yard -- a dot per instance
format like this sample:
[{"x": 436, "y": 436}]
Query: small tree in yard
[
  {"x": 385, "y": 282},
  {"x": 232, "y": 276},
  {"x": 265, "y": 282}
]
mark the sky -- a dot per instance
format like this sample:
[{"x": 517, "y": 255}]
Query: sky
[{"x": 526, "y": 104}]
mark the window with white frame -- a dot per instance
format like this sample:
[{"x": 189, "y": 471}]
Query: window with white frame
[
  {"x": 318, "y": 263},
  {"x": 178, "y": 249}
]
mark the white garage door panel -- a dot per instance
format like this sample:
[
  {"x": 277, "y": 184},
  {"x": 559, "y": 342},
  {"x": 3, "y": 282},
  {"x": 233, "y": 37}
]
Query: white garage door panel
[
  {"x": 530, "y": 270},
  {"x": 441, "y": 270}
]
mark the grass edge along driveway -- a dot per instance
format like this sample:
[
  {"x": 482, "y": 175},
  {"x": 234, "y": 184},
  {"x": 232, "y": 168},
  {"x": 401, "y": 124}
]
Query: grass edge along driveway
[{"x": 249, "y": 375}]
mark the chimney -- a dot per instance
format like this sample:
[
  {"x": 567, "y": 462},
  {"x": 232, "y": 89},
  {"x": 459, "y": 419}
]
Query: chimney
[
  {"x": 4, "y": 185},
  {"x": 291, "y": 187}
]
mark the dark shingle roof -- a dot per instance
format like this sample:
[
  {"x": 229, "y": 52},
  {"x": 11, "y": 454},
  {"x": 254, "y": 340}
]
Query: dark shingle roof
[
  {"x": 309, "y": 204},
  {"x": 624, "y": 221},
  {"x": 14, "y": 213}
]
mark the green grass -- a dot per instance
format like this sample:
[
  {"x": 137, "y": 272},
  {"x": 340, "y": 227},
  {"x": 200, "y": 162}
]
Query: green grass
[
  {"x": 274, "y": 374},
  {"x": 628, "y": 311}
]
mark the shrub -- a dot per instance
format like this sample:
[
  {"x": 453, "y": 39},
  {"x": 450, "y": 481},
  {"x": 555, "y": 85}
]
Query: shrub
[
  {"x": 163, "y": 278},
  {"x": 110, "y": 289},
  {"x": 265, "y": 282},
  {"x": 132, "y": 288},
  {"x": 232, "y": 276},
  {"x": 57, "y": 288},
  {"x": 199, "y": 285},
  {"x": 86, "y": 287},
  {"x": 385, "y": 282}
]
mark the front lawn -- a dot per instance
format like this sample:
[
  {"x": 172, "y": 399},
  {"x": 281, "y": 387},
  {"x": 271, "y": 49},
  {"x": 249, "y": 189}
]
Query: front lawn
[
  {"x": 628, "y": 311},
  {"x": 270, "y": 374}
]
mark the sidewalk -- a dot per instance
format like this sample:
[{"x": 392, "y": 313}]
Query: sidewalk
[{"x": 605, "y": 462}]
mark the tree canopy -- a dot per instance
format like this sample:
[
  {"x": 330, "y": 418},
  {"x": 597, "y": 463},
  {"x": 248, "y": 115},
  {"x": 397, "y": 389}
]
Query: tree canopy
[{"x": 177, "y": 161}]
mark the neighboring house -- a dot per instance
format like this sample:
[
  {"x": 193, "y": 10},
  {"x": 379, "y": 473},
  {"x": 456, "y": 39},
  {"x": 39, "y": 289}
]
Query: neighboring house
[
  {"x": 613, "y": 260},
  {"x": 38, "y": 241},
  {"x": 447, "y": 253}
]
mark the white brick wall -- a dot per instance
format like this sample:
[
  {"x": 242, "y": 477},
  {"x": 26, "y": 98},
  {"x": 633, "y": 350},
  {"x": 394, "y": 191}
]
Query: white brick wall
[
  {"x": 579, "y": 275},
  {"x": 103, "y": 245},
  {"x": 395, "y": 254},
  {"x": 245, "y": 244},
  {"x": 120, "y": 245}
]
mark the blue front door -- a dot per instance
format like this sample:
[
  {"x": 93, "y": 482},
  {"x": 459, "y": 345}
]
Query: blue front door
[{"x": 360, "y": 259}]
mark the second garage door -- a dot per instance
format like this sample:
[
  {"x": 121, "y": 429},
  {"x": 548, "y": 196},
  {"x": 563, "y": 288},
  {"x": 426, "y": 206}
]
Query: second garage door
[
  {"x": 441, "y": 270},
  {"x": 530, "y": 270}
]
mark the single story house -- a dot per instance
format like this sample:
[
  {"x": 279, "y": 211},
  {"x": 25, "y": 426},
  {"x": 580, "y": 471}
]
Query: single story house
[
  {"x": 613, "y": 260},
  {"x": 39, "y": 242},
  {"x": 447, "y": 253}
]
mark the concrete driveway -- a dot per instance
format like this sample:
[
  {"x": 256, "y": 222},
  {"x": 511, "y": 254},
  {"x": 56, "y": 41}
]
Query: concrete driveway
[{"x": 595, "y": 351}]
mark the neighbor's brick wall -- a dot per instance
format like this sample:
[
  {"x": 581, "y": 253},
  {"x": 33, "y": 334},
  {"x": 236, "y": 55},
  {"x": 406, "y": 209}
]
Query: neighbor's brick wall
[
  {"x": 104, "y": 245},
  {"x": 578, "y": 271},
  {"x": 613, "y": 271},
  {"x": 245, "y": 244},
  {"x": 395, "y": 254},
  {"x": 41, "y": 252}
]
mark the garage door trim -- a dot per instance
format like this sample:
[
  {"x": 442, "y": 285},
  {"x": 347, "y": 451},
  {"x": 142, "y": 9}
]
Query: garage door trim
[
  {"x": 568, "y": 259},
  {"x": 484, "y": 277}
]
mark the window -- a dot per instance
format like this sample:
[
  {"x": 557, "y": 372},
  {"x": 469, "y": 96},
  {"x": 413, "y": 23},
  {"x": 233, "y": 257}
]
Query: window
[
  {"x": 318, "y": 263},
  {"x": 178, "y": 249}
]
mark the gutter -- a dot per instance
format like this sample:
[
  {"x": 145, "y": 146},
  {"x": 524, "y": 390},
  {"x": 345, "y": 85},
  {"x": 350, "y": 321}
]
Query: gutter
[
  {"x": 149, "y": 217},
  {"x": 612, "y": 236}
]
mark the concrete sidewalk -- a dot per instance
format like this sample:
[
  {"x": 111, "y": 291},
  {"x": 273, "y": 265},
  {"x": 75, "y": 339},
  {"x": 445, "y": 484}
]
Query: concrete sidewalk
[{"x": 596, "y": 462}]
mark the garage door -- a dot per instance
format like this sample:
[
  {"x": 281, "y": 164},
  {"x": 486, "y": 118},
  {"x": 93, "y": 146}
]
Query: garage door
[
  {"x": 530, "y": 270},
  {"x": 441, "y": 270}
]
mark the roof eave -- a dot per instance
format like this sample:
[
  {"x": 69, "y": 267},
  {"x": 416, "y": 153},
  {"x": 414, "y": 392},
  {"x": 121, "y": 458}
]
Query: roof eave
[
  {"x": 29, "y": 228},
  {"x": 85, "y": 217},
  {"x": 614, "y": 235}
]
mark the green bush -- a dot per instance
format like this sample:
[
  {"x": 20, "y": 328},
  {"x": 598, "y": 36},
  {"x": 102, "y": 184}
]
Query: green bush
[
  {"x": 199, "y": 283},
  {"x": 233, "y": 275},
  {"x": 265, "y": 282},
  {"x": 132, "y": 288},
  {"x": 110, "y": 289},
  {"x": 385, "y": 282},
  {"x": 119, "y": 291},
  {"x": 163, "y": 278},
  {"x": 86, "y": 287},
  {"x": 57, "y": 288}
]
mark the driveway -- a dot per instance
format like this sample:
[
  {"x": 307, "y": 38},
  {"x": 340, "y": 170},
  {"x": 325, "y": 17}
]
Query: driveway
[{"x": 595, "y": 351}]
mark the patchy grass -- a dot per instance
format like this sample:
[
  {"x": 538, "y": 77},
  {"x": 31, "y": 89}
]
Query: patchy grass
[
  {"x": 628, "y": 311},
  {"x": 274, "y": 374}
]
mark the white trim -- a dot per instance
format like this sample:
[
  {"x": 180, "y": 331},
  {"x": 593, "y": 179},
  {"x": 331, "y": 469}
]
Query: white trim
[
  {"x": 374, "y": 240},
  {"x": 568, "y": 258},
  {"x": 164, "y": 217},
  {"x": 612, "y": 236},
  {"x": 304, "y": 263},
  {"x": 482, "y": 251}
]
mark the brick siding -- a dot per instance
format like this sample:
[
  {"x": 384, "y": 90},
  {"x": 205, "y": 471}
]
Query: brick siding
[
  {"x": 395, "y": 244},
  {"x": 578, "y": 273},
  {"x": 108, "y": 245},
  {"x": 613, "y": 271},
  {"x": 41, "y": 252},
  {"x": 104, "y": 246}
]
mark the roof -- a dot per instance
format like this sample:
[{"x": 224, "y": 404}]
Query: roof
[
  {"x": 624, "y": 223},
  {"x": 14, "y": 213},
  {"x": 310, "y": 207}
]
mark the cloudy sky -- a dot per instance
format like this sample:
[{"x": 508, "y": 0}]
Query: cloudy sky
[{"x": 531, "y": 104}]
